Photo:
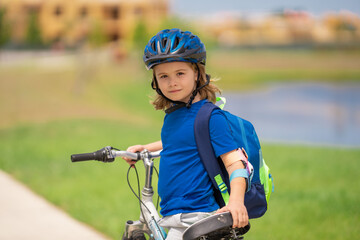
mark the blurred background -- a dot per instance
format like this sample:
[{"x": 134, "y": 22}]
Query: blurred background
[{"x": 72, "y": 80}]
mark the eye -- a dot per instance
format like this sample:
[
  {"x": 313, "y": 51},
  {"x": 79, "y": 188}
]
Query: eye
[
  {"x": 180, "y": 73},
  {"x": 163, "y": 76}
]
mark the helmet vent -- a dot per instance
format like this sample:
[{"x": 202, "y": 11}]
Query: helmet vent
[
  {"x": 176, "y": 42},
  {"x": 153, "y": 46},
  {"x": 163, "y": 42}
]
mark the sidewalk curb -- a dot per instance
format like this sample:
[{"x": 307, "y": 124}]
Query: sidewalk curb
[{"x": 25, "y": 215}]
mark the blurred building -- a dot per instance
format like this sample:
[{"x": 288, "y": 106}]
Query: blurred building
[
  {"x": 284, "y": 28},
  {"x": 73, "y": 21}
]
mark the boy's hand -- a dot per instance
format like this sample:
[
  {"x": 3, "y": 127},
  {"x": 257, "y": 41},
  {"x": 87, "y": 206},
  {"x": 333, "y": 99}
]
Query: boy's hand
[
  {"x": 154, "y": 146},
  {"x": 238, "y": 186},
  {"x": 134, "y": 149},
  {"x": 238, "y": 212}
]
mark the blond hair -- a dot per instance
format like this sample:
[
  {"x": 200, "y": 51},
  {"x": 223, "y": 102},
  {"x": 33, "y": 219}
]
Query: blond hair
[{"x": 207, "y": 92}]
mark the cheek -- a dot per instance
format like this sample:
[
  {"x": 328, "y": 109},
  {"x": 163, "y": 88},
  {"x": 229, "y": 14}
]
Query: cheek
[{"x": 163, "y": 83}]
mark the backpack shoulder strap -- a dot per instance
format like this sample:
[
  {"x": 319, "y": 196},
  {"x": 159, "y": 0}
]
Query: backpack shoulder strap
[{"x": 214, "y": 168}]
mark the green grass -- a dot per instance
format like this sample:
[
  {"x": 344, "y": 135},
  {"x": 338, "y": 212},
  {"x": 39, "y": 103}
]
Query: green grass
[
  {"x": 93, "y": 192},
  {"x": 316, "y": 191},
  {"x": 250, "y": 69},
  {"x": 315, "y": 194},
  {"x": 48, "y": 114}
]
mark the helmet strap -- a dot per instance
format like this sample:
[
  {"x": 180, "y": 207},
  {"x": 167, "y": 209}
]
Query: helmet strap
[{"x": 197, "y": 89}]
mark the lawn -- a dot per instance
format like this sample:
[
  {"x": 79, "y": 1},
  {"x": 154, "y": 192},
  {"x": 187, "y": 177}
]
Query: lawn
[
  {"x": 49, "y": 113},
  {"x": 315, "y": 194}
]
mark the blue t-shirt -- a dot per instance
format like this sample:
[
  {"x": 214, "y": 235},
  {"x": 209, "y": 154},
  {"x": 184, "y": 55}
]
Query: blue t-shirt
[{"x": 184, "y": 185}]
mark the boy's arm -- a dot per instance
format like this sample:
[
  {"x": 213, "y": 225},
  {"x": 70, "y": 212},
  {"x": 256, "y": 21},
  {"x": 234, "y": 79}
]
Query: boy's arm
[
  {"x": 236, "y": 206},
  {"x": 152, "y": 147}
]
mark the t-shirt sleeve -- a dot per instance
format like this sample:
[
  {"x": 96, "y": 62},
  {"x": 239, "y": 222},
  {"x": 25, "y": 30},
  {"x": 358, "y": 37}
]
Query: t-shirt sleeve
[{"x": 220, "y": 134}]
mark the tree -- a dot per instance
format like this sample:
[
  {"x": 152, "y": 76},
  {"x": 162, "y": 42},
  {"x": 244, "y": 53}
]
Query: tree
[
  {"x": 96, "y": 36},
  {"x": 141, "y": 36},
  {"x": 33, "y": 33},
  {"x": 4, "y": 29}
]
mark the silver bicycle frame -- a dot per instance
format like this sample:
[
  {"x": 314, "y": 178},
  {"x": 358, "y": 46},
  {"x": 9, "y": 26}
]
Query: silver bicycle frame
[{"x": 149, "y": 216}]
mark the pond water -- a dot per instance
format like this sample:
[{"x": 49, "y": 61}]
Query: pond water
[{"x": 307, "y": 113}]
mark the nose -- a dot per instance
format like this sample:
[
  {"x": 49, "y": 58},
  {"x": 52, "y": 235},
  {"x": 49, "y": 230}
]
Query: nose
[{"x": 172, "y": 82}]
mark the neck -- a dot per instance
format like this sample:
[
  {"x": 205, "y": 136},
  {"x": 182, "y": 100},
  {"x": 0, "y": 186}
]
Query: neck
[{"x": 197, "y": 98}]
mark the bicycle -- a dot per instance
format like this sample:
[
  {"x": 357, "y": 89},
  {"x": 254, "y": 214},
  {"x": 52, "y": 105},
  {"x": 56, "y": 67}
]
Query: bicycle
[{"x": 215, "y": 227}]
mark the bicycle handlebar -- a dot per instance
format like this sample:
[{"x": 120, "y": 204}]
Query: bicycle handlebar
[
  {"x": 85, "y": 157},
  {"x": 108, "y": 154}
]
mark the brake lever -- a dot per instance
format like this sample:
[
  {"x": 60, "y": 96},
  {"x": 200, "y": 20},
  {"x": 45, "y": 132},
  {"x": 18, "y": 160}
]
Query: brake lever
[{"x": 105, "y": 154}]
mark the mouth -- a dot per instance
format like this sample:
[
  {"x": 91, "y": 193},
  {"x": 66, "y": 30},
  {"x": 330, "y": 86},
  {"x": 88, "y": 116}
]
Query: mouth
[{"x": 174, "y": 91}]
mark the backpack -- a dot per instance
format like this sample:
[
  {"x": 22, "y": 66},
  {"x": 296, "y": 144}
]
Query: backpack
[{"x": 258, "y": 194}]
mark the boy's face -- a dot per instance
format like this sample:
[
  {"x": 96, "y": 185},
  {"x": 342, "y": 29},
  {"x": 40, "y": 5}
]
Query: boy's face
[{"x": 176, "y": 80}]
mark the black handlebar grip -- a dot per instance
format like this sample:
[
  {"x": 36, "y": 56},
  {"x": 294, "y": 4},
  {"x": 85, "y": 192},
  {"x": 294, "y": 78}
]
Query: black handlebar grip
[
  {"x": 100, "y": 155},
  {"x": 83, "y": 157}
]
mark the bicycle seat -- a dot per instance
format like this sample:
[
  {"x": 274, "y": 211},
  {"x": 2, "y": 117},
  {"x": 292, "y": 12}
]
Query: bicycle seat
[{"x": 216, "y": 227}]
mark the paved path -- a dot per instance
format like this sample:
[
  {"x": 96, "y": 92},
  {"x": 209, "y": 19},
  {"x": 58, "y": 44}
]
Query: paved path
[{"x": 24, "y": 215}]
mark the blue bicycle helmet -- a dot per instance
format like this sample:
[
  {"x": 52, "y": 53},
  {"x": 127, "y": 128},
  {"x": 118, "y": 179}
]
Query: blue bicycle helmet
[{"x": 174, "y": 45}]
